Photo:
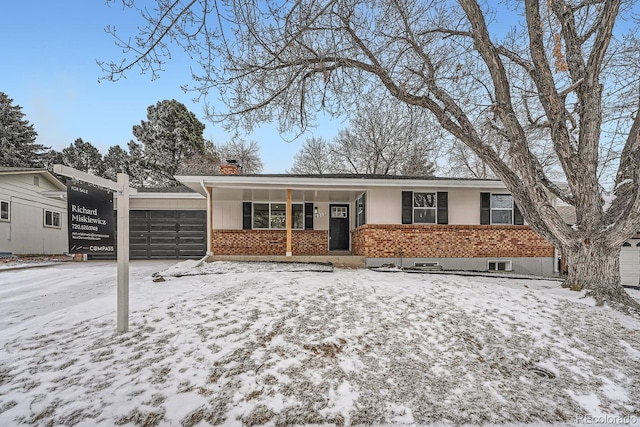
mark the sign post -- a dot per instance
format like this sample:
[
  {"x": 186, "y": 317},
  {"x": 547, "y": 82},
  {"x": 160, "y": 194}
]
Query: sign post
[
  {"x": 123, "y": 191},
  {"x": 123, "y": 253}
]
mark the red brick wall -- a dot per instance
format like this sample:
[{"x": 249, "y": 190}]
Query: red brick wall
[
  {"x": 309, "y": 242},
  {"x": 268, "y": 242},
  {"x": 449, "y": 241}
]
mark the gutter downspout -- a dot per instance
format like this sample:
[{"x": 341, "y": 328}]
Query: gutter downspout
[{"x": 209, "y": 217}]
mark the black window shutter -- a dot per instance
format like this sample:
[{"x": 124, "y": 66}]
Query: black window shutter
[
  {"x": 443, "y": 207},
  {"x": 485, "y": 208},
  {"x": 517, "y": 215},
  {"x": 364, "y": 208},
  {"x": 246, "y": 215},
  {"x": 308, "y": 216},
  {"x": 407, "y": 207}
]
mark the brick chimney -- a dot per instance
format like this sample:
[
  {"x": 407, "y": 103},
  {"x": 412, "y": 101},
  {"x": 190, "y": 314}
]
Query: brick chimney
[{"x": 231, "y": 167}]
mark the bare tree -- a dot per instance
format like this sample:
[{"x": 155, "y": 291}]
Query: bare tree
[
  {"x": 247, "y": 154},
  {"x": 314, "y": 157},
  {"x": 384, "y": 137},
  {"x": 563, "y": 74},
  {"x": 205, "y": 163}
]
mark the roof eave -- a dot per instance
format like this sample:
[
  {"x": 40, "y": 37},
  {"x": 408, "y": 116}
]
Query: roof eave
[{"x": 245, "y": 181}]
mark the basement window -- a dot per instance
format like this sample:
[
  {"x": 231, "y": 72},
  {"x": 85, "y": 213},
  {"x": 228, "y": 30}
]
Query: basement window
[{"x": 499, "y": 265}]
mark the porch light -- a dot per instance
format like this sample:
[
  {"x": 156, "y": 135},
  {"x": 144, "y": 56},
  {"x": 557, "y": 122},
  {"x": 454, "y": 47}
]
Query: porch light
[{"x": 315, "y": 210}]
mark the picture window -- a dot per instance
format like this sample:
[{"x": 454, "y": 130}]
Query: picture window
[{"x": 274, "y": 216}]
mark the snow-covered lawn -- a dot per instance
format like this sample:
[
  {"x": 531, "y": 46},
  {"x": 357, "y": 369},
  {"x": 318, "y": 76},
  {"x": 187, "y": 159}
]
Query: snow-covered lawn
[{"x": 256, "y": 344}]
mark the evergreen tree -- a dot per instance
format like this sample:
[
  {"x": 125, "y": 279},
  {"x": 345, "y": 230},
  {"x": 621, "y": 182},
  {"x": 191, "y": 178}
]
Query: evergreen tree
[
  {"x": 138, "y": 175},
  {"x": 171, "y": 134},
  {"x": 18, "y": 146},
  {"x": 83, "y": 156},
  {"x": 50, "y": 158},
  {"x": 116, "y": 161}
]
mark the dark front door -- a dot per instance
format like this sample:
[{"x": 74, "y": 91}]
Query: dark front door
[{"x": 338, "y": 227}]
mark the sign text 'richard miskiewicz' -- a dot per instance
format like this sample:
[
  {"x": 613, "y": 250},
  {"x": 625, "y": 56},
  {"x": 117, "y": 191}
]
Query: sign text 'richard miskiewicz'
[{"x": 91, "y": 219}]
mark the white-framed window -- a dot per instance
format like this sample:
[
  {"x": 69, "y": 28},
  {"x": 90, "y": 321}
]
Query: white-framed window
[
  {"x": 36, "y": 181},
  {"x": 51, "y": 219},
  {"x": 499, "y": 265},
  {"x": 360, "y": 211},
  {"x": 339, "y": 211},
  {"x": 424, "y": 208},
  {"x": 5, "y": 211},
  {"x": 274, "y": 216},
  {"x": 501, "y": 209}
]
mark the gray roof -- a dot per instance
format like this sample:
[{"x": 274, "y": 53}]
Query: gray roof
[
  {"x": 174, "y": 189},
  {"x": 362, "y": 176}
]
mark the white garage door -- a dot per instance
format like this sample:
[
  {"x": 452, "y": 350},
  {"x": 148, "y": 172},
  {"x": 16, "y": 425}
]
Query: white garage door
[{"x": 630, "y": 263}]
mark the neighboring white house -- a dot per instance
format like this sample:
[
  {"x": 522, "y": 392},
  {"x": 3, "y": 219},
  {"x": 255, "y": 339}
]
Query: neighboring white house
[{"x": 30, "y": 222}]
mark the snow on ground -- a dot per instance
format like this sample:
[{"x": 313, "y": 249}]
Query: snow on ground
[{"x": 256, "y": 343}]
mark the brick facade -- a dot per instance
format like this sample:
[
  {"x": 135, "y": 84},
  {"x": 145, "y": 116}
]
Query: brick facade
[
  {"x": 269, "y": 242},
  {"x": 449, "y": 241}
]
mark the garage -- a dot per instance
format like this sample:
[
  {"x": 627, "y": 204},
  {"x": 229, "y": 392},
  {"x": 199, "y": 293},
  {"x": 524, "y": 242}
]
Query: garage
[
  {"x": 165, "y": 234},
  {"x": 630, "y": 263}
]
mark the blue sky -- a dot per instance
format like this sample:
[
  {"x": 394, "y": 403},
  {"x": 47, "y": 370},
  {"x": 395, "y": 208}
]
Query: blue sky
[{"x": 49, "y": 68}]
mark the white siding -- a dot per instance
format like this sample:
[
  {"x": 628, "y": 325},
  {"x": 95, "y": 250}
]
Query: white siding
[
  {"x": 321, "y": 222},
  {"x": 384, "y": 206},
  {"x": 25, "y": 233},
  {"x": 464, "y": 207},
  {"x": 227, "y": 215}
]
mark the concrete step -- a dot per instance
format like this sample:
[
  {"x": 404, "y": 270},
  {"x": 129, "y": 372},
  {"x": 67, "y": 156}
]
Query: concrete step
[{"x": 338, "y": 261}]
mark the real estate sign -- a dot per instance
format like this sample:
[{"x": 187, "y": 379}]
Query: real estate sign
[{"x": 91, "y": 220}]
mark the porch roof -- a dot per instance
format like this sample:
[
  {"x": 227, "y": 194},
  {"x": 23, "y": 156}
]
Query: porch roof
[{"x": 263, "y": 185}]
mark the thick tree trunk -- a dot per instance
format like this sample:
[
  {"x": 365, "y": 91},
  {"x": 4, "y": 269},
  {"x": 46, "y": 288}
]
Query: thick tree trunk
[{"x": 595, "y": 267}]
